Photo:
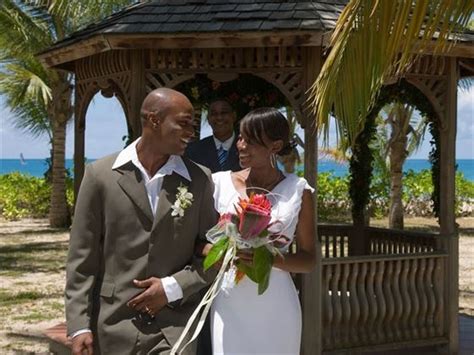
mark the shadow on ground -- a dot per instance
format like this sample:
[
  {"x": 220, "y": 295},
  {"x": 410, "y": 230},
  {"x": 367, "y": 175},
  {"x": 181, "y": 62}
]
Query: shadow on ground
[{"x": 32, "y": 257}]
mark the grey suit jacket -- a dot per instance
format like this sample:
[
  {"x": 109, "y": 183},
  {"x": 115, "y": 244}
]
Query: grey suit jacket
[
  {"x": 115, "y": 239},
  {"x": 204, "y": 152}
]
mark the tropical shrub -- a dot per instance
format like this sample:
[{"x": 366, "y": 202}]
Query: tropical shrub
[
  {"x": 26, "y": 196},
  {"x": 333, "y": 197}
]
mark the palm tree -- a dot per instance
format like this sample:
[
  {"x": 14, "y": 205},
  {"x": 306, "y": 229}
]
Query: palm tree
[
  {"x": 399, "y": 134},
  {"x": 384, "y": 37},
  {"x": 289, "y": 161},
  {"x": 41, "y": 99}
]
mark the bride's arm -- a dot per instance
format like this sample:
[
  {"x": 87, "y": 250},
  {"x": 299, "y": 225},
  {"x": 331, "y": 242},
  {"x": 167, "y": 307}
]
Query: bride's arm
[{"x": 304, "y": 260}]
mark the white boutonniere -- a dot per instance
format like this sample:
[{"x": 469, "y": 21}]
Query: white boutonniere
[{"x": 184, "y": 199}]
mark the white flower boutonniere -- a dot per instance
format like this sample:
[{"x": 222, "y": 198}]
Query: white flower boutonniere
[{"x": 184, "y": 199}]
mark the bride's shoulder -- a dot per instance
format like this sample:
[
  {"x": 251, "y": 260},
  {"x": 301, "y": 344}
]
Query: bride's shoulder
[
  {"x": 299, "y": 183},
  {"x": 220, "y": 176}
]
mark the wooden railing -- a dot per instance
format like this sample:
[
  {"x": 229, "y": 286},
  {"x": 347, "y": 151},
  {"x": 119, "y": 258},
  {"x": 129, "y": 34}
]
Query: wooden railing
[
  {"x": 391, "y": 241},
  {"x": 375, "y": 300},
  {"x": 334, "y": 240},
  {"x": 338, "y": 240}
]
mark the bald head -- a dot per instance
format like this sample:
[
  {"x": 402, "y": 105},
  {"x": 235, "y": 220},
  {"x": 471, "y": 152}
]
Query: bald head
[{"x": 160, "y": 101}]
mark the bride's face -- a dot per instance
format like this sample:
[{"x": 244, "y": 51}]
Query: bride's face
[{"x": 253, "y": 154}]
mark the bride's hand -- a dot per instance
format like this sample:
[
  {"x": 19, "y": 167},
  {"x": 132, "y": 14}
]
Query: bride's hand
[{"x": 202, "y": 249}]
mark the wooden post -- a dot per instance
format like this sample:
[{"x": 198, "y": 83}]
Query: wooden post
[
  {"x": 311, "y": 283},
  {"x": 79, "y": 140},
  {"x": 137, "y": 90},
  {"x": 447, "y": 221}
]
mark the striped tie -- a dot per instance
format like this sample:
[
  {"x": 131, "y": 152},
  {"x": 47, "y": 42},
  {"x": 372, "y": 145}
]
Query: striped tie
[{"x": 221, "y": 156}]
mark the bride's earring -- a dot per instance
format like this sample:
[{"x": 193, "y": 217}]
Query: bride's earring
[{"x": 273, "y": 160}]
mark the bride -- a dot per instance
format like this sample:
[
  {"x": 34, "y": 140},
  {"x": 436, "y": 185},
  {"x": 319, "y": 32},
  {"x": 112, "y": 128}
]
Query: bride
[{"x": 242, "y": 322}]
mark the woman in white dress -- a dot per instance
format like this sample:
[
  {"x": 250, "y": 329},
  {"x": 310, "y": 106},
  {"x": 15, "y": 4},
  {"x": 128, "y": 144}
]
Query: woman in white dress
[{"x": 242, "y": 322}]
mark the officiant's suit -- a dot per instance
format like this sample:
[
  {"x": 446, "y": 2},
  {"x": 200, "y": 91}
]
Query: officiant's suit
[
  {"x": 204, "y": 152},
  {"x": 116, "y": 239}
]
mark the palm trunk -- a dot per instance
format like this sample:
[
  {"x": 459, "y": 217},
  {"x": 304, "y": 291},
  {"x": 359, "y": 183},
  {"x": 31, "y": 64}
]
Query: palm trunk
[
  {"x": 60, "y": 110},
  {"x": 399, "y": 121},
  {"x": 59, "y": 215},
  {"x": 397, "y": 158}
]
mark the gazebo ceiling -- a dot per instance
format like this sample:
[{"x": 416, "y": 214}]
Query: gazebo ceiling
[{"x": 202, "y": 23}]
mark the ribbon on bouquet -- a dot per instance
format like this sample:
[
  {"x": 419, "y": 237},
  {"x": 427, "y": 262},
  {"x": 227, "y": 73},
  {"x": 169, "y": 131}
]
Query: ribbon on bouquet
[{"x": 205, "y": 305}]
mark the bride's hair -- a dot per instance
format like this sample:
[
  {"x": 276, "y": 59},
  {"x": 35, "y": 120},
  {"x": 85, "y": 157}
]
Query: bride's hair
[{"x": 267, "y": 122}]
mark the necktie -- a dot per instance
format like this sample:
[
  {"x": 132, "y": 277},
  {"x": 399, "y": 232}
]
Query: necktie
[{"x": 221, "y": 156}]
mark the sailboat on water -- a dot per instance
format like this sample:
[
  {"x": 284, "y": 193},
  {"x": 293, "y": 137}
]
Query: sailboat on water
[{"x": 22, "y": 159}]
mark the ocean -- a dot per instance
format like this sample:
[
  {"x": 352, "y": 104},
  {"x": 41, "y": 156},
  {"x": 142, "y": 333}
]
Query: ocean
[{"x": 37, "y": 167}]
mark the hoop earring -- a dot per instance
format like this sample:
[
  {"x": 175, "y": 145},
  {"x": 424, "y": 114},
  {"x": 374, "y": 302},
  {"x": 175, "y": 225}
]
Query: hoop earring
[{"x": 273, "y": 160}]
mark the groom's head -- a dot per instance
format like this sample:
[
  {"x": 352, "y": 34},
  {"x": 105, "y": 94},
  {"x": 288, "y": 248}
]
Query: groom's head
[{"x": 168, "y": 120}]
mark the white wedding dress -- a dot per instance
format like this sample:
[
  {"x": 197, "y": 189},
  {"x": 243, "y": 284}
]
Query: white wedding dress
[{"x": 242, "y": 322}]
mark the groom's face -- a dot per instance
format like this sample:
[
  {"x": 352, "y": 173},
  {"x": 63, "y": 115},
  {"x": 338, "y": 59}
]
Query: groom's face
[{"x": 177, "y": 126}]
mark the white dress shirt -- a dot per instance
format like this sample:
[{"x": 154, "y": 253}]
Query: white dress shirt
[
  {"x": 226, "y": 144},
  {"x": 153, "y": 186}
]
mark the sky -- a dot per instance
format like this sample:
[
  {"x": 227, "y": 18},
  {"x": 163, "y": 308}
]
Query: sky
[{"x": 105, "y": 127}]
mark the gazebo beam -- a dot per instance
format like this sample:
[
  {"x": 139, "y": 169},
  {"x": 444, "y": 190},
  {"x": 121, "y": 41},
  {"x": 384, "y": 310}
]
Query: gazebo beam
[
  {"x": 311, "y": 283},
  {"x": 137, "y": 90},
  {"x": 100, "y": 43},
  {"x": 447, "y": 219},
  {"x": 79, "y": 141}
]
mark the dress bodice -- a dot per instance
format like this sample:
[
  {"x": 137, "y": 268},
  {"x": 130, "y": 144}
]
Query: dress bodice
[{"x": 286, "y": 198}]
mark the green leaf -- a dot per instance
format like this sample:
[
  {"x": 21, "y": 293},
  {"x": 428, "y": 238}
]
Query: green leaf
[
  {"x": 262, "y": 265},
  {"x": 247, "y": 269},
  {"x": 216, "y": 253}
]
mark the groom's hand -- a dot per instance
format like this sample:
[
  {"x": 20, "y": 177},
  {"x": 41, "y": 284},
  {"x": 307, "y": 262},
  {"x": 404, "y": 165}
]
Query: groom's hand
[
  {"x": 82, "y": 344},
  {"x": 152, "y": 300}
]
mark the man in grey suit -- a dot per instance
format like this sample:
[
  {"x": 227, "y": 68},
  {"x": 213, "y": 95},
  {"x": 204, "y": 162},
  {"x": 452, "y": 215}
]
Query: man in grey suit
[
  {"x": 132, "y": 272},
  {"x": 219, "y": 151}
]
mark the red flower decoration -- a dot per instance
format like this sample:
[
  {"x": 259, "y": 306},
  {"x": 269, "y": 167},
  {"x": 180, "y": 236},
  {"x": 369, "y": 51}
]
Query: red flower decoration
[{"x": 254, "y": 214}]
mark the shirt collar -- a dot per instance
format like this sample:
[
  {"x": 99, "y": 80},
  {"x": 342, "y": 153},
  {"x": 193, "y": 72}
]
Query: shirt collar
[
  {"x": 226, "y": 144},
  {"x": 174, "y": 164}
]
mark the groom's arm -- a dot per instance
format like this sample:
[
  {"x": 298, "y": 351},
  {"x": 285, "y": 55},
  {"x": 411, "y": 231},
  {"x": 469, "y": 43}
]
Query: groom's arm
[
  {"x": 193, "y": 278},
  {"x": 84, "y": 257}
]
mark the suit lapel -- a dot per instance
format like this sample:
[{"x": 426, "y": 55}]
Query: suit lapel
[
  {"x": 167, "y": 196},
  {"x": 212, "y": 158},
  {"x": 132, "y": 184},
  {"x": 232, "y": 162}
]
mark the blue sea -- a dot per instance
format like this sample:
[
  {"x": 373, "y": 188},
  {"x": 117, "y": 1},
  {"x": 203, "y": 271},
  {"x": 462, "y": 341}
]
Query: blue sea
[{"x": 37, "y": 167}]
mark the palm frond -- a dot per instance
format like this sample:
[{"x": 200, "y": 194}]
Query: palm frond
[
  {"x": 372, "y": 41},
  {"x": 21, "y": 33},
  {"x": 32, "y": 118},
  {"x": 465, "y": 84},
  {"x": 25, "y": 81}
]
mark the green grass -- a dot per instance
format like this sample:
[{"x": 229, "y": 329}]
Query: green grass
[
  {"x": 34, "y": 317},
  {"x": 9, "y": 298}
]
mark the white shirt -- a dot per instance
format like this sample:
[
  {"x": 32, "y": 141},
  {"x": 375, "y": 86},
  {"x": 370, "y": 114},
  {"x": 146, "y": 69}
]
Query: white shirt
[
  {"x": 226, "y": 144},
  {"x": 153, "y": 186}
]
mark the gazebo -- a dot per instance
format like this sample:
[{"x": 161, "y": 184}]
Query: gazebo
[{"x": 399, "y": 289}]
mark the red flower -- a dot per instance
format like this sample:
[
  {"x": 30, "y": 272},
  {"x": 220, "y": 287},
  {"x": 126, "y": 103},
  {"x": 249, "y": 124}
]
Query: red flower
[{"x": 254, "y": 214}]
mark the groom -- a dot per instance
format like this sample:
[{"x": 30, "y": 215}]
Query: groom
[{"x": 132, "y": 277}]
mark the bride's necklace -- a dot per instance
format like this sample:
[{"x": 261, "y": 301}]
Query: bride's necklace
[{"x": 251, "y": 185}]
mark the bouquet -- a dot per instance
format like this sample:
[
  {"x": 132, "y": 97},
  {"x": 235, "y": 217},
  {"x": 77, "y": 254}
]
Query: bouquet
[{"x": 249, "y": 228}]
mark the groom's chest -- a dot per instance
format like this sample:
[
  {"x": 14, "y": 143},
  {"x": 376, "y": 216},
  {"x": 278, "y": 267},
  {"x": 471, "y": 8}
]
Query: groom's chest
[{"x": 146, "y": 218}]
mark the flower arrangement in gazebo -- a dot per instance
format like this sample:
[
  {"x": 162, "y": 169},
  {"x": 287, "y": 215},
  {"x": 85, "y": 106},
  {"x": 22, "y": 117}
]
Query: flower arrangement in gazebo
[{"x": 244, "y": 93}]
